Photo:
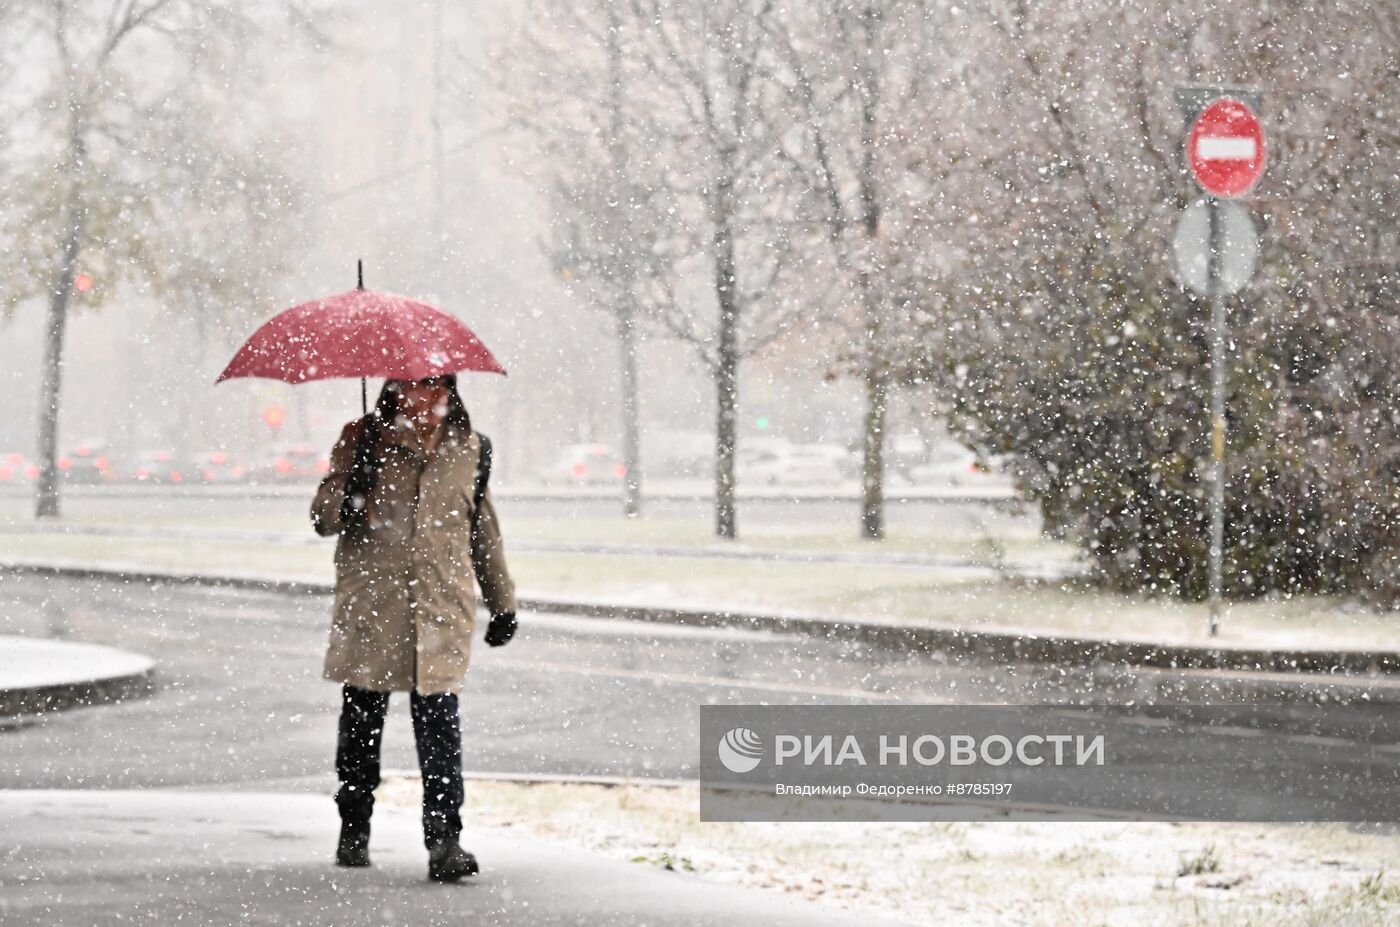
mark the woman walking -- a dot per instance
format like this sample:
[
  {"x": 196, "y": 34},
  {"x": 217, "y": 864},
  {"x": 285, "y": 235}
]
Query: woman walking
[{"x": 407, "y": 496}]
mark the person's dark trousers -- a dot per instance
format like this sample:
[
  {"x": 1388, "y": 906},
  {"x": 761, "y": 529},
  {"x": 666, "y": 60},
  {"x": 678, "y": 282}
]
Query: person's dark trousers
[{"x": 437, "y": 733}]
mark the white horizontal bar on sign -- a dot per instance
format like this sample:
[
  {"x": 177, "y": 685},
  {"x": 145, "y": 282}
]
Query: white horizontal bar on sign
[{"x": 1224, "y": 148}]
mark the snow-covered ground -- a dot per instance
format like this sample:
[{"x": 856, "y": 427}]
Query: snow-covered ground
[
  {"x": 30, "y": 663},
  {"x": 76, "y": 858},
  {"x": 980, "y": 873}
]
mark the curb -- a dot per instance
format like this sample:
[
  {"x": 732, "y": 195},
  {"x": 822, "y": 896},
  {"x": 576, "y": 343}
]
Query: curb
[
  {"x": 132, "y": 677},
  {"x": 1002, "y": 646},
  {"x": 1207, "y": 686},
  {"x": 43, "y": 699},
  {"x": 996, "y": 645},
  {"x": 326, "y": 782}
]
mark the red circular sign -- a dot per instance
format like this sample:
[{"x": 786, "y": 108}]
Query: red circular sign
[{"x": 1226, "y": 148}]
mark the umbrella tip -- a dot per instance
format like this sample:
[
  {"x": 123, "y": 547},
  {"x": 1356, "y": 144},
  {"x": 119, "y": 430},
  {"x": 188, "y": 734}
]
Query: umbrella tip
[{"x": 359, "y": 274}]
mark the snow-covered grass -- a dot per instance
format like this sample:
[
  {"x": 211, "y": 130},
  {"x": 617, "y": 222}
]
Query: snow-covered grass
[
  {"x": 833, "y": 590},
  {"x": 977, "y": 873},
  {"x": 975, "y": 533}
]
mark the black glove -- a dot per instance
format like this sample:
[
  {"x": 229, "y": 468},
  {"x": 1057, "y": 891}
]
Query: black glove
[
  {"x": 501, "y": 629},
  {"x": 360, "y": 482}
]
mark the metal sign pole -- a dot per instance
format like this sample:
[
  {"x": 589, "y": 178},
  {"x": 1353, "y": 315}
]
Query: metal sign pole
[
  {"x": 1225, "y": 151},
  {"x": 1217, "y": 415}
]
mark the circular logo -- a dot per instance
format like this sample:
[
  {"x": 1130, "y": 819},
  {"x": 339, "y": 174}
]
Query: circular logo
[{"x": 740, "y": 750}]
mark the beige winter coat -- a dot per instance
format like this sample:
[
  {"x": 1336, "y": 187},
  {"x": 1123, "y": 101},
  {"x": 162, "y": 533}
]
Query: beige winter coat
[{"x": 405, "y": 607}]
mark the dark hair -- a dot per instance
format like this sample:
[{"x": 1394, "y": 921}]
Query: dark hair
[
  {"x": 386, "y": 408},
  {"x": 369, "y": 455}
]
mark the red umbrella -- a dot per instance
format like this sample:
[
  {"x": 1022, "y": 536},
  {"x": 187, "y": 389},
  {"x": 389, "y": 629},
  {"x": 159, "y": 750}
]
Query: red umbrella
[{"x": 360, "y": 333}]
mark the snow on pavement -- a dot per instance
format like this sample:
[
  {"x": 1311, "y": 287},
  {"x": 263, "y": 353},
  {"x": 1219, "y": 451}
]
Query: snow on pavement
[
  {"x": 172, "y": 856},
  {"x": 34, "y": 663}
]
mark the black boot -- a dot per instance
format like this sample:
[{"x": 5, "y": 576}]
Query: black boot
[
  {"x": 448, "y": 862},
  {"x": 353, "y": 849}
]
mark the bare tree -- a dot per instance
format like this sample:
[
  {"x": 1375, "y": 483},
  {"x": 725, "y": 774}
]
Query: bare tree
[
  {"x": 127, "y": 165},
  {"x": 664, "y": 125},
  {"x": 722, "y": 117},
  {"x": 612, "y": 234},
  {"x": 858, "y": 74}
]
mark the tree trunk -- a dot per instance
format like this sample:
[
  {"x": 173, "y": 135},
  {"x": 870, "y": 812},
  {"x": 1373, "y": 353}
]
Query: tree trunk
[
  {"x": 872, "y": 509},
  {"x": 47, "y": 490},
  {"x": 625, "y": 267},
  {"x": 726, "y": 435},
  {"x": 631, "y": 414},
  {"x": 877, "y": 395},
  {"x": 877, "y": 383},
  {"x": 726, "y": 362}
]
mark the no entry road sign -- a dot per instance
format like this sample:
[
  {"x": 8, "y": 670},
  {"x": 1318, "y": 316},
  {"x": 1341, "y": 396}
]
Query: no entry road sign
[
  {"x": 1216, "y": 247},
  {"x": 1226, "y": 148}
]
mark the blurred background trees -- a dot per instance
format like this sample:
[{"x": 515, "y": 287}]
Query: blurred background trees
[
  {"x": 670, "y": 107},
  {"x": 981, "y": 199},
  {"x": 127, "y": 167},
  {"x": 846, "y": 216}
]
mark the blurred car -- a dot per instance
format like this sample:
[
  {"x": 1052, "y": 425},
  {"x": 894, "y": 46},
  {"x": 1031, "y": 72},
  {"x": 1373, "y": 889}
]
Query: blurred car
[
  {"x": 679, "y": 454},
  {"x": 905, "y": 452},
  {"x": 218, "y": 467},
  {"x": 583, "y": 463},
  {"x": 154, "y": 466},
  {"x": 86, "y": 463},
  {"x": 798, "y": 463},
  {"x": 83, "y": 464},
  {"x": 16, "y": 468},
  {"x": 297, "y": 463},
  {"x": 948, "y": 463}
]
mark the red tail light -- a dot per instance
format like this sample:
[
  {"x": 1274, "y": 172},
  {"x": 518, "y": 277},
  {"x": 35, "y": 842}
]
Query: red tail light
[
  {"x": 31, "y": 472},
  {"x": 580, "y": 470},
  {"x": 621, "y": 470},
  {"x": 6, "y": 473},
  {"x": 65, "y": 463},
  {"x": 175, "y": 476}
]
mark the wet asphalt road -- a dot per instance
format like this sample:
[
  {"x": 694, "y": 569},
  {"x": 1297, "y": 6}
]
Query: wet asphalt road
[
  {"x": 240, "y": 698},
  {"x": 240, "y": 701}
]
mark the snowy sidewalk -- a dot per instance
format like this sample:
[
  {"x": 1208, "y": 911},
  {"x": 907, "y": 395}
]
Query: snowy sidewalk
[
  {"x": 166, "y": 857},
  {"x": 39, "y": 674}
]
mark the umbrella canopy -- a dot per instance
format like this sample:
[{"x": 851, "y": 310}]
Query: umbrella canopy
[{"x": 360, "y": 333}]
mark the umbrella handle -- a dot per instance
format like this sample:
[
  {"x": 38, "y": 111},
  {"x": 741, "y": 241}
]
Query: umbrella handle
[{"x": 360, "y": 285}]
